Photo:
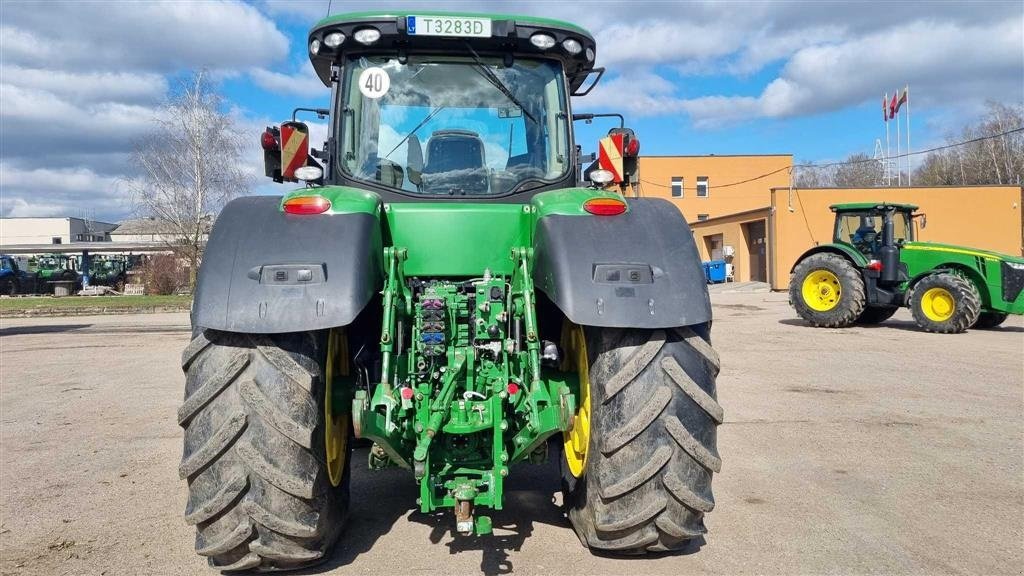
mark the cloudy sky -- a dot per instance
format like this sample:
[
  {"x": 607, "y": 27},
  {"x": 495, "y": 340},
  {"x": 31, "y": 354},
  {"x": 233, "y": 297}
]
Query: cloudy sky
[{"x": 80, "y": 81}]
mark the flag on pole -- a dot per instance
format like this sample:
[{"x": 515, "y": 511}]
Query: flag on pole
[
  {"x": 893, "y": 106},
  {"x": 885, "y": 107},
  {"x": 902, "y": 100}
]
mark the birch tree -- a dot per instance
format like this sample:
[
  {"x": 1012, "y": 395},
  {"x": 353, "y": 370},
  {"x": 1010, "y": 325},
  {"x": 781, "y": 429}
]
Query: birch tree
[{"x": 189, "y": 167}]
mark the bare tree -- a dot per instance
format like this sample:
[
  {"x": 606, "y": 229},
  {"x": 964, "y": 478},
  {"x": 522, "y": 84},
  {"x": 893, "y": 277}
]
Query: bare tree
[
  {"x": 810, "y": 175},
  {"x": 998, "y": 159},
  {"x": 859, "y": 171},
  {"x": 190, "y": 166}
]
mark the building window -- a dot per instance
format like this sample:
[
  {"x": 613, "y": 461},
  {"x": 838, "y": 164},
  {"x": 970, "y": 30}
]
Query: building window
[
  {"x": 677, "y": 186},
  {"x": 702, "y": 217},
  {"x": 702, "y": 186},
  {"x": 55, "y": 240}
]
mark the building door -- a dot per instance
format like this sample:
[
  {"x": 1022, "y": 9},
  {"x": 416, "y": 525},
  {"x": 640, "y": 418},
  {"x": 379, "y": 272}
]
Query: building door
[
  {"x": 713, "y": 246},
  {"x": 757, "y": 249}
]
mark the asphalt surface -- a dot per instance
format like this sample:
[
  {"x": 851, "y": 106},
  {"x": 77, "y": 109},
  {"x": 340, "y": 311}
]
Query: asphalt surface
[{"x": 853, "y": 451}]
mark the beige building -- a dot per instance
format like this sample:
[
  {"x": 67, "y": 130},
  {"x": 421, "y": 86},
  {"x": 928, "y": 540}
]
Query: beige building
[
  {"x": 766, "y": 242},
  {"x": 743, "y": 210},
  {"x": 16, "y": 231}
]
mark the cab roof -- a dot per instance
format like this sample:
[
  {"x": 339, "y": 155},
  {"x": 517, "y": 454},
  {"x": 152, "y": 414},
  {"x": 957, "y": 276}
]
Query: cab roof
[
  {"x": 510, "y": 34},
  {"x": 860, "y": 206}
]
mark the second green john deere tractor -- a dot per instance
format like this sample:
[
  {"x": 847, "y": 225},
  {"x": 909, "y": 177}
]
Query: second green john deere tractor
[
  {"x": 874, "y": 266},
  {"x": 448, "y": 288}
]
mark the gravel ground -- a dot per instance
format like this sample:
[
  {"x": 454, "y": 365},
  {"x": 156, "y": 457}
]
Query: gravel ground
[{"x": 862, "y": 450}]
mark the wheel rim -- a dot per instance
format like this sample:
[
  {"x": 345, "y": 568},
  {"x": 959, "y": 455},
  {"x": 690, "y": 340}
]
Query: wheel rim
[
  {"x": 335, "y": 424},
  {"x": 576, "y": 440},
  {"x": 938, "y": 304},
  {"x": 821, "y": 290}
]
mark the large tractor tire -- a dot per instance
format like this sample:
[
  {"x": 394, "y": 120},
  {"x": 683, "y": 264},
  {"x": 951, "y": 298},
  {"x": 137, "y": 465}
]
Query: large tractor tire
[
  {"x": 989, "y": 320},
  {"x": 945, "y": 303},
  {"x": 876, "y": 314},
  {"x": 263, "y": 493},
  {"x": 638, "y": 461},
  {"x": 827, "y": 291}
]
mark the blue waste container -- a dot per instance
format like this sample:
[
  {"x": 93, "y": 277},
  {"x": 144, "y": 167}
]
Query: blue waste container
[{"x": 715, "y": 271}]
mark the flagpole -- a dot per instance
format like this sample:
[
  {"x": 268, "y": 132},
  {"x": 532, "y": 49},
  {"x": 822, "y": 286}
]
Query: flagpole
[
  {"x": 899, "y": 174},
  {"x": 888, "y": 155},
  {"x": 909, "y": 171}
]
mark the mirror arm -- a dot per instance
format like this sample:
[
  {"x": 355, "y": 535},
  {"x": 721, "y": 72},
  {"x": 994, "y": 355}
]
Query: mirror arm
[{"x": 321, "y": 113}]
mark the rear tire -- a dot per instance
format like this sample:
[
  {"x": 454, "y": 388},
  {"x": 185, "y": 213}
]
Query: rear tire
[
  {"x": 646, "y": 479},
  {"x": 989, "y": 320},
  {"x": 876, "y": 314},
  {"x": 836, "y": 299},
  {"x": 254, "y": 454},
  {"x": 945, "y": 303}
]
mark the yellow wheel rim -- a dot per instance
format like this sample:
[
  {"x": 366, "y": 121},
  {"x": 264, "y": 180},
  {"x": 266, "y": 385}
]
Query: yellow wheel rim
[
  {"x": 821, "y": 290},
  {"x": 938, "y": 304},
  {"x": 335, "y": 425},
  {"x": 576, "y": 440}
]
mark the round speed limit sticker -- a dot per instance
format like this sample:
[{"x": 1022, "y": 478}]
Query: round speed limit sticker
[{"x": 374, "y": 82}]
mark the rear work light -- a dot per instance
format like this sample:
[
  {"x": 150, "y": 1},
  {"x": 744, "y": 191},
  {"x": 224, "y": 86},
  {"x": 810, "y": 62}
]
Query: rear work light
[
  {"x": 605, "y": 206},
  {"x": 307, "y": 205}
]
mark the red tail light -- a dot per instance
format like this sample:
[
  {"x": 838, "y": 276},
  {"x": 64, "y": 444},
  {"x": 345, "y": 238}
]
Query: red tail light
[
  {"x": 605, "y": 206},
  {"x": 633, "y": 147},
  {"x": 268, "y": 140},
  {"x": 875, "y": 265},
  {"x": 307, "y": 205}
]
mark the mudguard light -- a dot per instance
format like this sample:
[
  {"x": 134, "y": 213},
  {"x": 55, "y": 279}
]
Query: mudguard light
[
  {"x": 605, "y": 206},
  {"x": 307, "y": 205}
]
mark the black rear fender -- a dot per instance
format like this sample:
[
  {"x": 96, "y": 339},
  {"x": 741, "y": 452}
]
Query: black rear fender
[
  {"x": 640, "y": 269},
  {"x": 268, "y": 272}
]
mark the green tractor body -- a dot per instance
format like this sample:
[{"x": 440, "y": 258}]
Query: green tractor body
[
  {"x": 874, "y": 265},
  {"x": 51, "y": 268},
  {"x": 450, "y": 289},
  {"x": 109, "y": 271}
]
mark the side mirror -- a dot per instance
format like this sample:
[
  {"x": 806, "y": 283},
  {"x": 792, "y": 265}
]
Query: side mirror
[{"x": 414, "y": 160}]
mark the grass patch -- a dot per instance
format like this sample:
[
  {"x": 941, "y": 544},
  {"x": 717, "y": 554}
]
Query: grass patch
[{"x": 21, "y": 304}]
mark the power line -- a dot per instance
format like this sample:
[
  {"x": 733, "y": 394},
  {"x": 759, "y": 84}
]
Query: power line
[{"x": 847, "y": 162}]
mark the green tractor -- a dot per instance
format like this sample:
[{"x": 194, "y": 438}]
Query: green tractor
[
  {"x": 110, "y": 271},
  {"x": 448, "y": 288},
  {"x": 52, "y": 268},
  {"x": 874, "y": 266}
]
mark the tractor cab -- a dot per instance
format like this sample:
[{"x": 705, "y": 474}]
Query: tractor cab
[
  {"x": 434, "y": 106},
  {"x": 862, "y": 226}
]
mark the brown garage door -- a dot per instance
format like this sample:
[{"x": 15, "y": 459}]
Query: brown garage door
[{"x": 757, "y": 250}]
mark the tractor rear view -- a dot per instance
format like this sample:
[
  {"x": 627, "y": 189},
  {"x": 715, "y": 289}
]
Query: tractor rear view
[
  {"x": 447, "y": 287},
  {"x": 874, "y": 266}
]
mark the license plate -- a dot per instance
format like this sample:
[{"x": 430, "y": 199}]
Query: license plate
[{"x": 448, "y": 26}]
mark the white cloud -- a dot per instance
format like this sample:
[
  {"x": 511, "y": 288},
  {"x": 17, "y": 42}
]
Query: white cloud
[
  {"x": 945, "y": 64},
  {"x": 68, "y": 190},
  {"x": 305, "y": 82},
  {"x": 155, "y": 36}
]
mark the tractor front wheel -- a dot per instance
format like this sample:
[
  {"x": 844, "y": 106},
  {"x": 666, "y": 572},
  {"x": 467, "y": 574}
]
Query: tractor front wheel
[
  {"x": 945, "y": 303},
  {"x": 827, "y": 291},
  {"x": 988, "y": 320},
  {"x": 638, "y": 461},
  {"x": 260, "y": 492}
]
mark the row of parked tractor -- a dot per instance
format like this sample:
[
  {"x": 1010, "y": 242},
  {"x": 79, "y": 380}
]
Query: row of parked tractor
[{"x": 43, "y": 274}]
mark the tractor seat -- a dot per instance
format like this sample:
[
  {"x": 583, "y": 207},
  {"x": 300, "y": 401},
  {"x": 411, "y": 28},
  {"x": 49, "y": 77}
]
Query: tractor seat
[{"x": 455, "y": 163}]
